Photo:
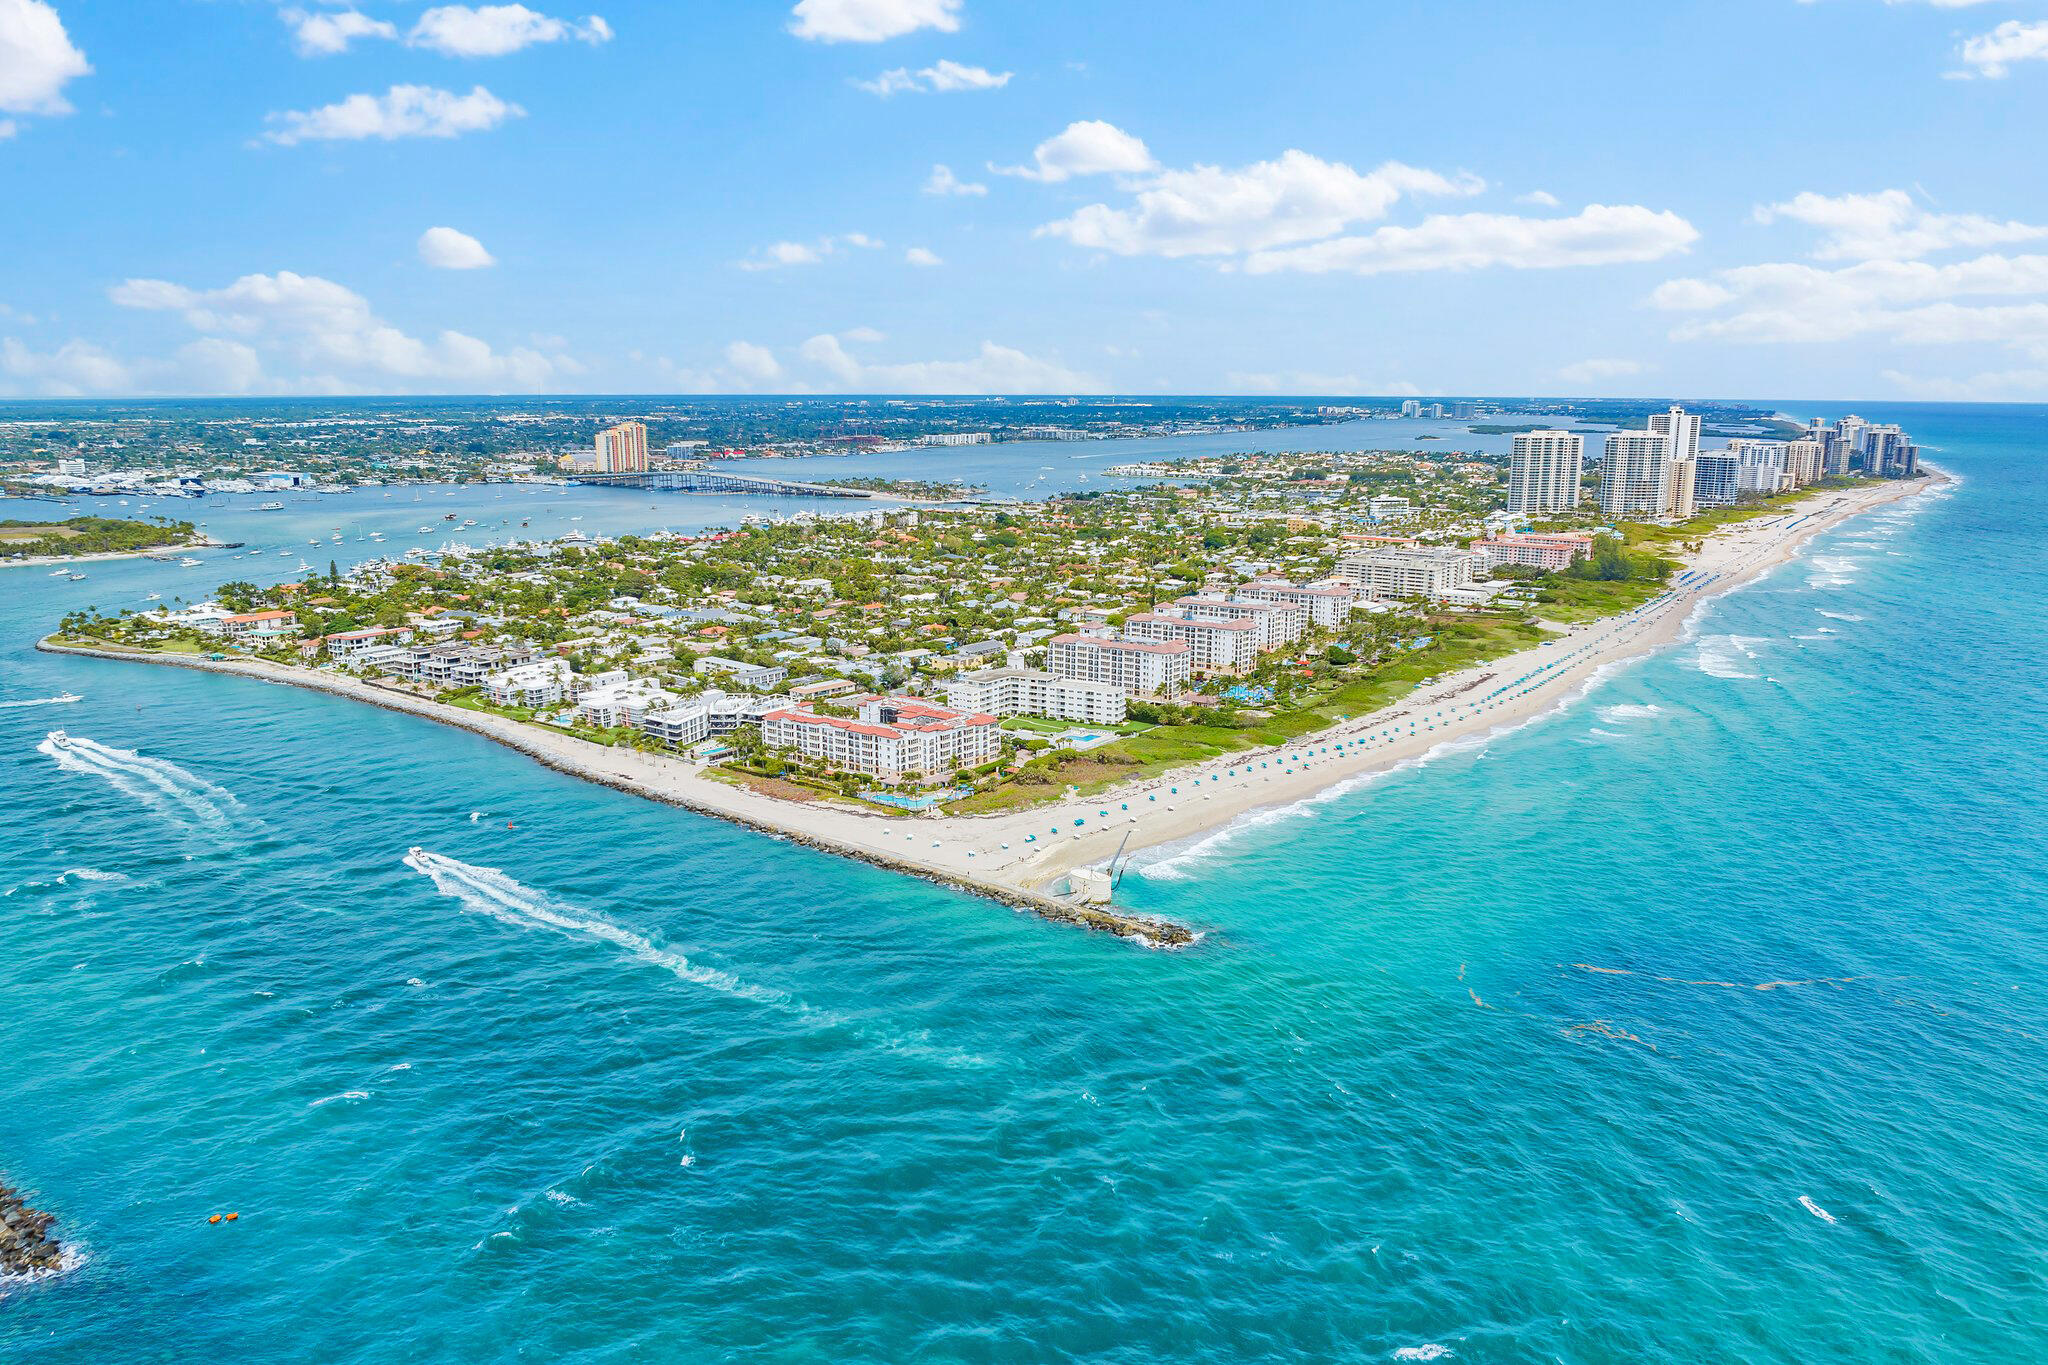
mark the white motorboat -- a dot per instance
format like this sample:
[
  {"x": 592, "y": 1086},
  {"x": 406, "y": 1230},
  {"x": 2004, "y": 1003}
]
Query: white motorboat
[{"x": 60, "y": 739}]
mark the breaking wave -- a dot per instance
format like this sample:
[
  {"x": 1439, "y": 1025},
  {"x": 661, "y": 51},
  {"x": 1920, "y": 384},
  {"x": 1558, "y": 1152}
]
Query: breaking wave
[{"x": 1723, "y": 656}]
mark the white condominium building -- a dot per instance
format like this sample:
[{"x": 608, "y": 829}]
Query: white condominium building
[
  {"x": 1031, "y": 692},
  {"x": 1544, "y": 470},
  {"x": 1632, "y": 474},
  {"x": 1681, "y": 428},
  {"x": 623, "y": 703},
  {"x": 679, "y": 722},
  {"x": 1279, "y": 623},
  {"x": 1417, "y": 572},
  {"x": 1215, "y": 646},
  {"x": 541, "y": 683},
  {"x": 1327, "y": 604},
  {"x": 1804, "y": 462},
  {"x": 1137, "y": 668},
  {"x": 1551, "y": 552},
  {"x": 1717, "y": 480},
  {"x": 892, "y": 738}
]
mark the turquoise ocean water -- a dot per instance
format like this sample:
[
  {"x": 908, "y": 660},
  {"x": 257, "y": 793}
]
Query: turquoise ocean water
[{"x": 1703, "y": 1019}]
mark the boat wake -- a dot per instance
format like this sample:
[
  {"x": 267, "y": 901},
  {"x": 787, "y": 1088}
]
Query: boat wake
[
  {"x": 61, "y": 700},
  {"x": 171, "y": 791},
  {"x": 490, "y": 892}
]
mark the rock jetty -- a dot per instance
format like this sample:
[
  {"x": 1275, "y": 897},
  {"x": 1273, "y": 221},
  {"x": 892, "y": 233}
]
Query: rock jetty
[{"x": 26, "y": 1246}]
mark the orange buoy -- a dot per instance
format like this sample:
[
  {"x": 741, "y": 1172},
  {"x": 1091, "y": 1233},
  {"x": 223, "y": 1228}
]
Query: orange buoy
[
  {"x": 214, "y": 1219},
  {"x": 233, "y": 1216}
]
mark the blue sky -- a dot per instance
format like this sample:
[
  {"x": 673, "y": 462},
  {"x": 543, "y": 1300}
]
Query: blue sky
[{"x": 1834, "y": 199}]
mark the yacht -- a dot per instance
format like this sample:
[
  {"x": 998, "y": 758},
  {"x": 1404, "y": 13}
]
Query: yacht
[
  {"x": 76, "y": 577},
  {"x": 304, "y": 567},
  {"x": 188, "y": 562},
  {"x": 60, "y": 739},
  {"x": 59, "y": 573},
  {"x": 270, "y": 507},
  {"x": 154, "y": 597}
]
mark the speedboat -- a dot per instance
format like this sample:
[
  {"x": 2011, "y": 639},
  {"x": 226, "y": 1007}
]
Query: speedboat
[
  {"x": 154, "y": 597},
  {"x": 60, "y": 739},
  {"x": 270, "y": 507},
  {"x": 188, "y": 562},
  {"x": 59, "y": 573},
  {"x": 76, "y": 577}
]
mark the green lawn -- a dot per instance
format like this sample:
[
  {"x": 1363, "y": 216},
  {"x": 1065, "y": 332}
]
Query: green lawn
[{"x": 1354, "y": 692}]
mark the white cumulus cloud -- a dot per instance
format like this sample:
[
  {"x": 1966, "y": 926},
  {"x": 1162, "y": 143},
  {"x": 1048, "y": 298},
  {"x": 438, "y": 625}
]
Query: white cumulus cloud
[
  {"x": 992, "y": 369},
  {"x": 754, "y": 364},
  {"x": 1600, "y": 234},
  {"x": 1211, "y": 211},
  {"x": 777, "y": 255},
  {"x": 75, "y": 369},
  {"x": 942, "y": 181},
  {"x": 1086, "y": 147},
  {"x": 495, "y": 30},
  {"x": 1992, "y": 54},
  {"x": 1599, "y": 371},
  {"x": 1888, "y": 225},
  {"x": 300, "y": 333},
  {"x": 325, "y": 33},
  {"x": 402, "y": 111},
  {"x": 871, "y": 21},
  {"x": 37, "y": 59},
  {"x": 444, "y": 248},
  {"x": 918, "y": 255},
  {"x": 942, "y": 77}
]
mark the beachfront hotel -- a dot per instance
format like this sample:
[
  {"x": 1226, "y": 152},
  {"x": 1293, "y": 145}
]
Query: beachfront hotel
[
  {"x": 1549, "y": 552},
  {"x": 1329, "y": 605},
  {"x": 1396, "y": 571},
  {"x": 1137, "y": 668},
  {"x": 1544, "y": 471},
  {"x": 1215, "y": 646},
  {"x": 891, "y": 738},
  {"x": 1275, "y": 623},
  {"x": 1033, "y": 692}
]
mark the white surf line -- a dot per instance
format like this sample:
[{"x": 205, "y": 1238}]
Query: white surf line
[
  {"x": 1169, "y": 860},
  {"x": 489, "y": 891}
]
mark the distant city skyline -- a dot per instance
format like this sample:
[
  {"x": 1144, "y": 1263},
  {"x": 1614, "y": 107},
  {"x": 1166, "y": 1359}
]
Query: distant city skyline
[{"x": 977, "y": 196}]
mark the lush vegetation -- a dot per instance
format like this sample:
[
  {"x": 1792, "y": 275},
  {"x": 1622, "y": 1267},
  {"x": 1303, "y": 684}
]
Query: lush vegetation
[{"x": 88, "y": 536}]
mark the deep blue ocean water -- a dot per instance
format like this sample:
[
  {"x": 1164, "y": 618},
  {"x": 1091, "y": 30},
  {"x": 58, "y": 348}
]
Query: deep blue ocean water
[{"x": 1703, "y": 1019}]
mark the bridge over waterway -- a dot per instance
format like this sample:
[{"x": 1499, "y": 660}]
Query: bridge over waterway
[{"x": 712, "y": 481}]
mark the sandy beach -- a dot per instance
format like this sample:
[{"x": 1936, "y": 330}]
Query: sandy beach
[
  {"x": 1023, "y": 858},
  {"x": 61, "y": 561}
]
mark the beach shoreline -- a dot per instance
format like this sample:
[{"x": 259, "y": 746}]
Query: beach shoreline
[
  {"x": 1019, "y": 858},
  {"x": 59, "y": 561}
]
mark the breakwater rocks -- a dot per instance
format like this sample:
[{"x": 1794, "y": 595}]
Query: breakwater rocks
[{"x": 26, "y": 1246}]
